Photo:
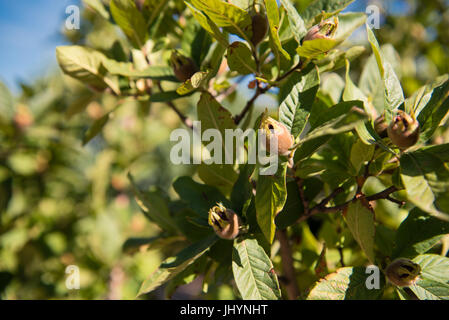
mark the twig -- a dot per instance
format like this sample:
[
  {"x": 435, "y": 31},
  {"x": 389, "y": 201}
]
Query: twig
[
  {"x": 382, "y": 195},
  {"x": 288, "y": 268},
  {"x": 321, "y": 207},
  {"x": 298, "y": 66},
  {"x": 305, "y": 203},
  {"x": 399, "y": 202},
  {"x": 183, "y": 118},
  {"x": 340, "y": 251},
  {"x": 220, "y": 97},
  {"x": 250, "y": 103}
]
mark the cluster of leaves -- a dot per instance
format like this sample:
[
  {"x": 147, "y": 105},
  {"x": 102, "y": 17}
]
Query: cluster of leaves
[{"x": 340, "y": 165}]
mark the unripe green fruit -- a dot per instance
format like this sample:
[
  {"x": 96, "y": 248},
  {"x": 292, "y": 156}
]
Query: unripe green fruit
[
  {"x": 403, "y": 130},
  {"x": 183, "y": 67},
  {"x": 225, "y": 222},
  {"x": 272, "y": 128},
  {"x": 259, "y": 27},
  {"x": 381, "y": 126},
  {"x": 403, "y": 272}
]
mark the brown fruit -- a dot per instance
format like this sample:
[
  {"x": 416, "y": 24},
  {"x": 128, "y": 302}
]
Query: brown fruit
[
  {"x": 225, "y": 222},
  {"x": 274, "y": 129},
  {"x": 403, "y": 130},
  {"x": 403, "y": 272},
  {"x": 183, "y": 67},
  {"x": 324, "y": 30},
  {"x": 259, "y": 27}
]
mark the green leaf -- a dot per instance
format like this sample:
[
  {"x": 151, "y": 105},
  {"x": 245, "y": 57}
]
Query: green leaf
[
  {"x": 342, "y": 123},
  {"x": 225, "y": 14},
  {"x": 295, "y": 109},
  {"x": 86, "y": 65},
  {"x": 370, "y": 81},
  {"x": 98, "y": 7},
  {"x": 429, "y": 107},
  {"x": 348, "y": 23},
  {"x": 240, "y": 58},
  {"x": 293, "y": 207},
  {"x": 393, "y": 95},
  {"x": 340, "y": 117},
  {"x": 361, "y": 153},
  {"x": 430, "y": 290},
  {"x": 155, "y": 207},
  {"x": 297, "y": 24},
  {"x": 130, "y": 20},
  {"x": 425, "y": 99},
  {"x": 199, "y": 197},
  {"x": 316, "y": 48},
  {"x": 242, "y": 190},
  {"x": 213, "y": 116},
  {"x": 196, "y": 42},
  {"x": 96, "y": 128},
  {"x": 174, "y": 265},
  {"x": 253, "y": 271},
  {"x": 192, "y": 84},
  {"x": 221, "y": 176},
  {"x": 352, "y": 92},
  {"x": 79, "y": 104},
  {"x": 208, "y": 25},
  {"x": 6, "y": 102},
  {"x": 153, "y": 9},
  {"x": 133, "y": 245},
  {"x": 336, "y": 59},
  {"x": 271, "y": 194},
  {"x": 418, "y": 233},
  {"x": 128, "y": 70},
  {"x": 165, "y": 96},
  {"x": 318, "y": 6},
  {"x": 360, "y": 221},
  {"x": 273, "y": 21},
  {"x": 433, "y": 267},
  {"x": 346, "y": 284},
  {"x": 188, "y": 275},
  {"x": 426, "y": 179}
]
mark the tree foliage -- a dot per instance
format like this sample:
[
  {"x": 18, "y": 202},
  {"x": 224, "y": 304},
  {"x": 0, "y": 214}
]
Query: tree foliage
[{"x": 347, "y": 197}]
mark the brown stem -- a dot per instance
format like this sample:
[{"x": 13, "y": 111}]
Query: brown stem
[
  {"x": 298, "y": 66},
  {"x": 183, "y": 118},
  {"x": 399, "y": 202},
  {"x": 340, "y": 251},
  {"x": 383, "y": 194},
  {"x": 321, "y": 207},
  {"x": 305, "y": 203},
  {"x": 288, "y": 269},
  {"x": 249, "y": 104}
]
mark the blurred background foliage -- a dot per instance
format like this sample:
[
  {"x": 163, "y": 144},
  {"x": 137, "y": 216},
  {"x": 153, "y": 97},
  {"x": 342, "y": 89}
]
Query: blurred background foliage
[{"x": 62, "y": 203}]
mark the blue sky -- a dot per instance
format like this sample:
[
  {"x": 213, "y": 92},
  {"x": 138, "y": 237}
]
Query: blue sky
[{"x": 29, "y": 33}]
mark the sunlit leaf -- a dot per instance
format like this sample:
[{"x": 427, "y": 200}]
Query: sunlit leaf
[
  {"x": 174, "y": 265},
  {"x": 346, "y": 284},
  {"x": 253, "y": 271}
]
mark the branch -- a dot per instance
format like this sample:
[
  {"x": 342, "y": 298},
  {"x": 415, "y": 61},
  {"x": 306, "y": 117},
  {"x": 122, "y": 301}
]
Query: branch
[
  {"x": 183, "y": 118},
  {"x": 288, "y": 269},
  {"x": 298, "y": 66},
  {"x": 250, "y": 103},
  {"x": 321, "y": 207}
]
